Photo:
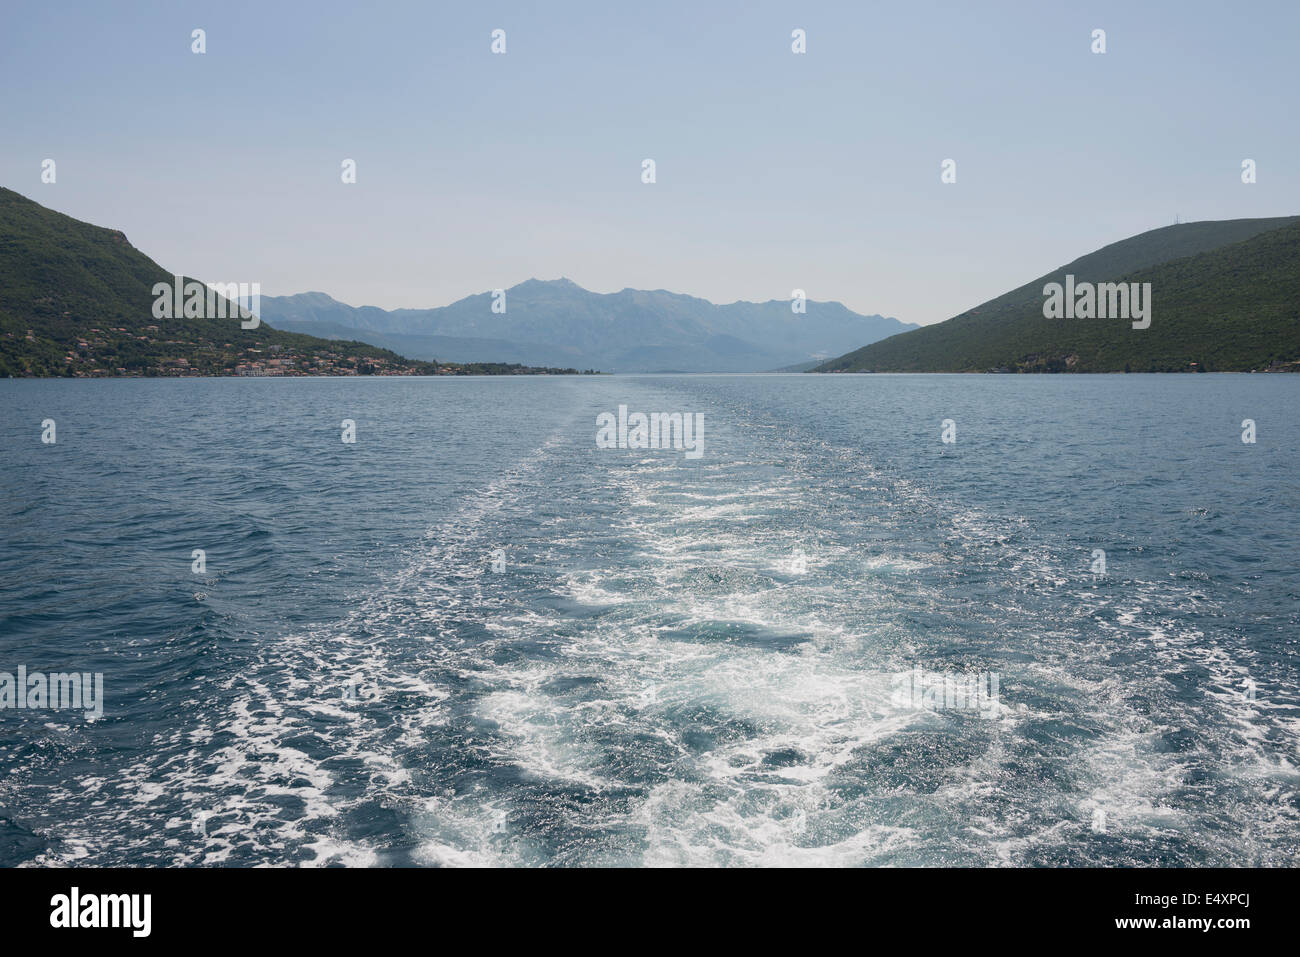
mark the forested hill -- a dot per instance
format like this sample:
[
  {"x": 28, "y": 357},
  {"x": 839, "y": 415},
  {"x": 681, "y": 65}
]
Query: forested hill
[{"x": 1225, "y": 297}]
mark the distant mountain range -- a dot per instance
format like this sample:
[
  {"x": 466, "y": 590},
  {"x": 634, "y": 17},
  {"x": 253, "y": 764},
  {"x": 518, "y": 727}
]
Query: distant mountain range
[
  {"x": 77, "y": 300},
  {"x": 1225, "y": 297},
  {"x": 557, "y": 322}
]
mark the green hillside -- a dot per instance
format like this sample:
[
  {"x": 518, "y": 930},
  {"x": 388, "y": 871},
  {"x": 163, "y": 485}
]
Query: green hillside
[
  {"x": 1225, "y": 297},
  {"x": 77, "y": 300}
]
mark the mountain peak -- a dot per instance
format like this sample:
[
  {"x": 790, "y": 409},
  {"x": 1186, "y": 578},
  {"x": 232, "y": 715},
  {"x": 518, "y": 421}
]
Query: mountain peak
[{"x": 562, "y": 283}]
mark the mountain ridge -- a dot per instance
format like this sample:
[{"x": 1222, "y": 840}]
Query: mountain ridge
[{"x": 631, "y": 330}]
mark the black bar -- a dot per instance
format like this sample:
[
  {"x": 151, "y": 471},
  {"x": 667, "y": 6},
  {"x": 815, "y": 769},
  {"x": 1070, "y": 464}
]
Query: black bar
[{"x": 930, "y": 908}]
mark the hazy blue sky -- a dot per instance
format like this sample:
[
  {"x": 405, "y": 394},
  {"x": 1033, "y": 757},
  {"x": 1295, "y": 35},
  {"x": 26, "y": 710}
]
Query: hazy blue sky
[{"x": 775, "y": 170}]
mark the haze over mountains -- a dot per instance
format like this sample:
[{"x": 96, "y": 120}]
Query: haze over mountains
[
  {"x": 76, "y": 299},
  {"x": 1225, "y": 296},
  {"x": 558, "y": 323}
]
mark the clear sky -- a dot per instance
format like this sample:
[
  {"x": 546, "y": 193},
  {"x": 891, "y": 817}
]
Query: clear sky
[{"x": 774, "y": 170}]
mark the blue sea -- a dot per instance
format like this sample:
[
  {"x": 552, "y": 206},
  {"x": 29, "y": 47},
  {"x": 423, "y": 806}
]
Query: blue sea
[{"x": 472, "y": 637}]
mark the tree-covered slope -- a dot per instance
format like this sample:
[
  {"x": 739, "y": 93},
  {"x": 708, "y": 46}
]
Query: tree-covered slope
[
  {"x": 77, "y": 299},
  {"x": 1225, "y": 297}
]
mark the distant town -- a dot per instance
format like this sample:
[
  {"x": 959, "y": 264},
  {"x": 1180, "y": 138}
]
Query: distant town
[{"x": 116, "y": 351}]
